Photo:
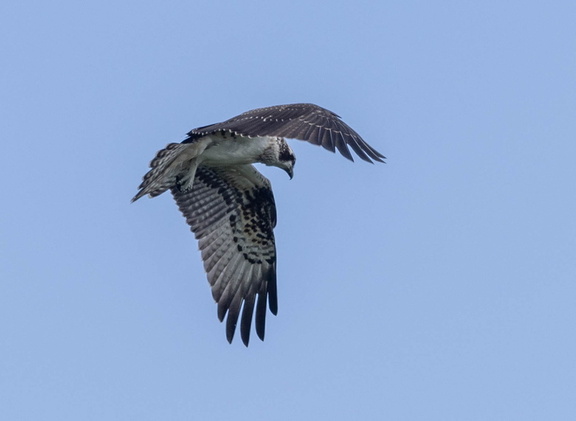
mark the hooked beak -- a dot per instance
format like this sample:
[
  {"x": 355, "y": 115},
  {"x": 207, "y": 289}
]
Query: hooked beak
[{"x": 290, "y": 172}]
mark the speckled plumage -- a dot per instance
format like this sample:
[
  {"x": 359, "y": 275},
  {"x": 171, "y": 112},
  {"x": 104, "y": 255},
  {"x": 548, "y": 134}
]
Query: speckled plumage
[
  {"x": 232, "y": 213},
  {"x": 229, "y": 205}
]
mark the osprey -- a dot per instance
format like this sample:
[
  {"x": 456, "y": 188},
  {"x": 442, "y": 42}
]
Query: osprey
[{"x": 229, "y": 205}]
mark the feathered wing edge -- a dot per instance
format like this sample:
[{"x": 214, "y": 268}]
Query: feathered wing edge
[
  {"x": 232, "y": 213},
  {"x": 307, "y": 122}
]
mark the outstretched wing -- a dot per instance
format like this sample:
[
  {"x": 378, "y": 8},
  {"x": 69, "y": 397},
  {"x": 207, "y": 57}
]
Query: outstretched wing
[
  {"x": 232, "y": 213},
  {"x": 308, "y": 122}
]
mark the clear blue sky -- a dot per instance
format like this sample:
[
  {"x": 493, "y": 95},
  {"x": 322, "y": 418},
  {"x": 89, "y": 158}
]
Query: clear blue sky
[{"x": 439, "y": 286}]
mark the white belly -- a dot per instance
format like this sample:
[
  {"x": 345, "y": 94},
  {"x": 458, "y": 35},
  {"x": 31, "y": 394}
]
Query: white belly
[{"x": 234, "y": 151}]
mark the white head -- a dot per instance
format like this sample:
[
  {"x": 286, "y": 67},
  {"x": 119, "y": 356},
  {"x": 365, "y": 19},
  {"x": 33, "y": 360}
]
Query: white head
[{"x": 280, "y": 155}]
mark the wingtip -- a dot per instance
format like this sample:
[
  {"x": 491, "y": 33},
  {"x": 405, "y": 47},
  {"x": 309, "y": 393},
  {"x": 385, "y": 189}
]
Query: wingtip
[
  {"x": 260, "y": 333},
  {"x": 229, "y": 336},
  {"x": 379, "y": 158}
]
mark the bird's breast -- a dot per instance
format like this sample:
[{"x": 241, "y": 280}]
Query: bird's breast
[{"x": 237, "y": 150}]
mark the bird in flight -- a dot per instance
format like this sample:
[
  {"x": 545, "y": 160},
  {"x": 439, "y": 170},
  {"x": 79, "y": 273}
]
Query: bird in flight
[{"x": 229, "y": 205}]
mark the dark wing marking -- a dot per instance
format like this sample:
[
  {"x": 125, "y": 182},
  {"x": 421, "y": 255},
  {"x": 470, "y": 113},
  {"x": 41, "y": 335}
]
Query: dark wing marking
[
  {"x": 308, "y": 122},
  {"x": 232, "y": 213}
]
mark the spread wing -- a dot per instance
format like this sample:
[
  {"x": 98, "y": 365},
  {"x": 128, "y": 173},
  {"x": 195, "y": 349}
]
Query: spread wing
[
  {"x": 308, "y": 122},
  {"x": 232, "y": 213}
]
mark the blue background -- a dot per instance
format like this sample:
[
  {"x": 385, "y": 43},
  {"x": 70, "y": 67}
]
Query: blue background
[{"x": 439, "y": 286}]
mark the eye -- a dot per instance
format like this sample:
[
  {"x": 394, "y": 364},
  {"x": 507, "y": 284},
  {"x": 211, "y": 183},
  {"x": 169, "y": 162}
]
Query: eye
[{"x": 285, "y": 155}]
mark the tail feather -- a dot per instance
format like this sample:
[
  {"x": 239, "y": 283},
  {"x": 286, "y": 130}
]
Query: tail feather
[{"x": 164, "y": 170}]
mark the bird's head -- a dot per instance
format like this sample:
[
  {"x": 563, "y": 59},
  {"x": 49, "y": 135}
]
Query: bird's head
[
  {"x": 286, "y": 158},
  {"x": 280, "y": 155}
]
